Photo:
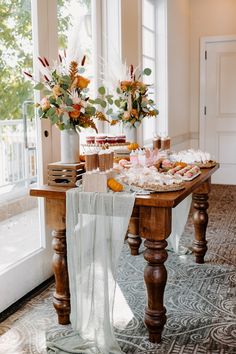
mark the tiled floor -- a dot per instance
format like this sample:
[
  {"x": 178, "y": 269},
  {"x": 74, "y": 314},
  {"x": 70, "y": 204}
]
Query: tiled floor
[{"x": 200, "y": 298}]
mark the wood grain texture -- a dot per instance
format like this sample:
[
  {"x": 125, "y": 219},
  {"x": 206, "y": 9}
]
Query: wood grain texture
[
  {"x": 200, "y": 220},
  {"x": 166, "y": 199},
  {"x": 155, "y": 276},
  {"x": 61, "y": 296},
  {"x": 152, "y": 217},
  {"x": 56, "y": 219},
  {"x": 155, "y": 223},
  {"x": 134, "y": 240}
]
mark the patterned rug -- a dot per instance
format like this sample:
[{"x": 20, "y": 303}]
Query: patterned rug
[{"x": 200, "y": 299}]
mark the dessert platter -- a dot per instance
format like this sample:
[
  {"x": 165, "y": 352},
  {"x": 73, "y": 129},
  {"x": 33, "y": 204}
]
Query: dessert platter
[
  {"x": 148, "y": 178},
  {"x": 196, "y": 157},
  {"x": 141, "y": 170},
  {"x": 187, "y": 173}
]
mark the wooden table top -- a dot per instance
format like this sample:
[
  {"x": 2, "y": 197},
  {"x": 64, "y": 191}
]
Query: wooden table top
[{"x": 159, "y": 199}]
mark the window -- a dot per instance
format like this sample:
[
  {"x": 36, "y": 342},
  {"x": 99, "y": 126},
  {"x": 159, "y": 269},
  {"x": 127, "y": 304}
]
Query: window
[
  {"x": 149, "y": 60},
  {"x": 91, "y": 28},
  {"x": 154, "y": 56},
  {"x": 75, "y": 32}
]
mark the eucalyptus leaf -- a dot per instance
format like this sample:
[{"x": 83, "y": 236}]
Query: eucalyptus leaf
[
  {"x": 103, "y": 104},
  {"x": 68, "y": 101},
  {"x": 110, "y": 100},
  {"x": 54, "y": 118},
  {"x": 65, "y": 79},
  {"x": 117, "y": 103},
  {"x": 51, "y": 112},
  {"x": 59, "y": 101},
  {"x": 147, "y": 71},
  {"x": 109, "y": 111},
  {"x": 98, "y": 101},
  {"x": 102, "y": 90},
  {"x": 90, "y": 110},
  {"x": 68, "y": 109}
]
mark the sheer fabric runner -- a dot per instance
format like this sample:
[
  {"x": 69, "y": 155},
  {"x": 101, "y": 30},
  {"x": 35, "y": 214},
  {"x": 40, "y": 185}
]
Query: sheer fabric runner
[
  {"x": 96, "y": 227},
  {"x": 179, "y": 220}
]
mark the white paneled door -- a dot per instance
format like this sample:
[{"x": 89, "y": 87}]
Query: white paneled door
[{"x": 218, "y": 106}]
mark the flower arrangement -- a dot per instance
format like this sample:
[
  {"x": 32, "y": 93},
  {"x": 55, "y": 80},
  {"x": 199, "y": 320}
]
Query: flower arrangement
[
  {"x": 131, "y": 102},
  {"x": 66, "y": 102}
]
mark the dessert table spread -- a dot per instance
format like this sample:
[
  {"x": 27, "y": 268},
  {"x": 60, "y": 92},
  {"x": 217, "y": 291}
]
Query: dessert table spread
[{"x": 152, "y": 217}]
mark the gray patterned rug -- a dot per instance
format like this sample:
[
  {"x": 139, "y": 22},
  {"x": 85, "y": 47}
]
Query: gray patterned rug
[{"x": 200, "y": 299}]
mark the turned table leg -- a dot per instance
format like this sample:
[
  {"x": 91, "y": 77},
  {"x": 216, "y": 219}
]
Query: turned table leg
[
  {"x": 56, "y": 219},
  {"x": 200, "y": 219},
  {"x": 155, "y": 276},
  {"x": 61, "y": 296},
  {"x": 155, "y": 226},
  {"x": 134, "y": 240}
]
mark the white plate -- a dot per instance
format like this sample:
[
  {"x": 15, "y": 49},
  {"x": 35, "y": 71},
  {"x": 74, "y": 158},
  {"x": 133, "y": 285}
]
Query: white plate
[{"x": 190, "y": 178}]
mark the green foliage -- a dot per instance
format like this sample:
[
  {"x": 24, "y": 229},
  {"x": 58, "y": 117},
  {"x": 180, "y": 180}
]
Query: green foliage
[
  {"x": 16, "y": 53},
  {"x": 147, "y": 71},
  {"x": 15, "y": 44},
  {"x": 102, "y": 90}
]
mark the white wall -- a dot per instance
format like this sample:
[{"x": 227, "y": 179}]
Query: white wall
[
  {"x": 207, "y": 18},
  {"x": 178, "y": 29}
]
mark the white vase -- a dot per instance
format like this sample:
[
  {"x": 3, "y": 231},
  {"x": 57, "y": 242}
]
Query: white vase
[
  {"x": 130, "y": 133},
  {"x": 70, "y": 146}
]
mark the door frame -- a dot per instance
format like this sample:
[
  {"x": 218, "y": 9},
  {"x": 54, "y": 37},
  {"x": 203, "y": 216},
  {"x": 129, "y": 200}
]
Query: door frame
[
  {"x": 202, "y": 91},
  {"x": 35, "y": 267}
]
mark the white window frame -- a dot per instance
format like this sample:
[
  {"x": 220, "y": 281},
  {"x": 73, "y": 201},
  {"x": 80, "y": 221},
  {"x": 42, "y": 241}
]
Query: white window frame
[
  {"x": 110, "y": 33},
  {"x": 161, "y": 66},
  {"x": 154, "y": 60}
]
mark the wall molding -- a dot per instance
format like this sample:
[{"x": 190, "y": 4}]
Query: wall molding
[
  {"x": 182, "y": 138},
  {"x": 178, "y": 139}
]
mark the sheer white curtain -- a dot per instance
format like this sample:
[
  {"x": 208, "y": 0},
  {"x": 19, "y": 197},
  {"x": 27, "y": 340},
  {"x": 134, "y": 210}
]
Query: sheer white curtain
[{"x": 96, "y": 227}]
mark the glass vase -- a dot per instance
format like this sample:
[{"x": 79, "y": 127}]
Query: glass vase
[{"x": 70, "y": 146}]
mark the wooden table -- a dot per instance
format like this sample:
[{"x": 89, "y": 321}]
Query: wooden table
[{"x": 152, "y": 214}]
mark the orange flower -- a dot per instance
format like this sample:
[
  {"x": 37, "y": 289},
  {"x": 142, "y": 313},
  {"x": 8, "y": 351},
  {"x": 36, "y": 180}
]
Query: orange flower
[
  {"x": 81, "y": 82},
  {"x": 134, "y": 113},
  {"x": 76, "y": 112},
  {"x": 140, "y": 85},
  {"x": 125, "y": 85},
  {"x": 152, "y": 113}
]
